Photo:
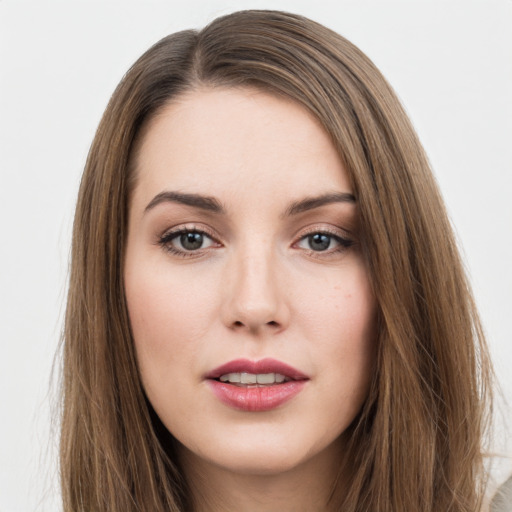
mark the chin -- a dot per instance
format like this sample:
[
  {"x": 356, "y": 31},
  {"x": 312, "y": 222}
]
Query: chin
[
  {"x": 256, "y": 460},
  {"x": 263, "y": 453}
]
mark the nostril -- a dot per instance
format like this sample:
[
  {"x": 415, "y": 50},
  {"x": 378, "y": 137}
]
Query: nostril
[{"x": 272, "y": 323}]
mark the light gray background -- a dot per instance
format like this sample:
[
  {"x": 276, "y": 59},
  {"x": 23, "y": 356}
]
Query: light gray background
[{"x": 450, "y": 61}]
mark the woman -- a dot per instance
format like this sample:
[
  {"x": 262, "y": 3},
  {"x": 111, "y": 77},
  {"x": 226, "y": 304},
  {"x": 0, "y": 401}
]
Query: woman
[{"x": 266, "y": 306}]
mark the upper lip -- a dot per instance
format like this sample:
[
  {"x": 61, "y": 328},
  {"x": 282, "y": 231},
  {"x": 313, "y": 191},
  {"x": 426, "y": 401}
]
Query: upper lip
[{"x": 266, "y": 365}]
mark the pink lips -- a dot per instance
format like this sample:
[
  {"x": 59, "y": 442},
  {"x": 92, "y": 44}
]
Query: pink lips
[{"x": 256, "y": 398}]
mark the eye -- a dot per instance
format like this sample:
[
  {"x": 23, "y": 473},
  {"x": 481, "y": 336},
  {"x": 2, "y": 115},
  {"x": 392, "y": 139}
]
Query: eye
[
  {"x": 317, "y": 242},
  {"x": 324, "y": 242},
  {"x": 185, "y": 241},
  {"x": 191, "y": 241}
]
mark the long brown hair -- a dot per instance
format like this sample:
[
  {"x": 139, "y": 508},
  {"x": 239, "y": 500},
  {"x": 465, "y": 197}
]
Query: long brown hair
[{"x": 417, "y": 443}]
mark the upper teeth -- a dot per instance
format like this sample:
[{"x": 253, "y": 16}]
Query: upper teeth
[{"x": 252, "y": 378}]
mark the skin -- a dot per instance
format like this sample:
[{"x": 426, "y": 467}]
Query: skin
[{"x": 256, "y": 288}]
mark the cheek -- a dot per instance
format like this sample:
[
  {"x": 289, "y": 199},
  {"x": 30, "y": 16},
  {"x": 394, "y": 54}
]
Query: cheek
[
  {"x": 167, "y": 316},
  {"x": 343, "y": 321},
  {"x": 344, "y": 304}
]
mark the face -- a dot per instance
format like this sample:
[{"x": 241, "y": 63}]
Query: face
[{"x": 249, "y": 301}]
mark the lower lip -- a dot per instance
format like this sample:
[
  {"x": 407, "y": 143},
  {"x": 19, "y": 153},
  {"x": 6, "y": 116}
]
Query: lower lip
[{"x": 256, "y": 399}]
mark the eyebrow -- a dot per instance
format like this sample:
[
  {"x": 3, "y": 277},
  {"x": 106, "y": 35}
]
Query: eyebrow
[
  {"x": 207, "y": 203},
  {"x": 309, "y": 203},
  {"x": 211, "y": 204}
]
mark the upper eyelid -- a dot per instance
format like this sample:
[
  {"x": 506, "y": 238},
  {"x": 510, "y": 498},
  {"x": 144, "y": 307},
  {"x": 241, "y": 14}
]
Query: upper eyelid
[
  {"x": 189, "y": 228},
  {"x": 342, "y": 240},
  {"x": 331, "y": 230}
]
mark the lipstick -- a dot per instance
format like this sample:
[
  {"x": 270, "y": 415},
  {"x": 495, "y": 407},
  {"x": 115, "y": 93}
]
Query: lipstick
[{"x": 255, "y": 386}]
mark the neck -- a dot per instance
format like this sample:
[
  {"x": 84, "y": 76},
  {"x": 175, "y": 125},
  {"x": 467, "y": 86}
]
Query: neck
[{"x": 303, "y": 488}]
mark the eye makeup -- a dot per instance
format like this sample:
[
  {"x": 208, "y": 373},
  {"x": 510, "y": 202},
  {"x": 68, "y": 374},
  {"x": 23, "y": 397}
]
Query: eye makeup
[
  {"x": 188, "y": 241},
  {"x": 192, "y": 241}
]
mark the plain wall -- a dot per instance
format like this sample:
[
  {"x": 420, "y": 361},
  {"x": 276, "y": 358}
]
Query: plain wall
[{"x": 449, "y": 61}]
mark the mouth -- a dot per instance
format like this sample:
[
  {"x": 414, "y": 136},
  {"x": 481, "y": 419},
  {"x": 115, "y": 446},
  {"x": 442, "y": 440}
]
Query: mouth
[
  {"x": 254, "y": 386},
  {"x": 243, "y": 379}
]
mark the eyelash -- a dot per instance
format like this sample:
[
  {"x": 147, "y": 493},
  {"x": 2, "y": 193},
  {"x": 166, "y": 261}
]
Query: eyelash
[
  {"x": 344, "y": 243},
  {"x": 165, "y": 241}
]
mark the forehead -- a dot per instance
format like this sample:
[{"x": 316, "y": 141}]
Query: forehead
[{"x": 237, "y": 142}]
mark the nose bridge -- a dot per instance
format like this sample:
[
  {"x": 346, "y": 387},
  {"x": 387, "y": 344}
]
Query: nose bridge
[{"x": 255, "y": 298}]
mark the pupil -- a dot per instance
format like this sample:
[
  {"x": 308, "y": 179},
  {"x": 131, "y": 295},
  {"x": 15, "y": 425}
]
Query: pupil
[
  {"x": 191, "y": 241},
  {"x": 319, "y": 242}
]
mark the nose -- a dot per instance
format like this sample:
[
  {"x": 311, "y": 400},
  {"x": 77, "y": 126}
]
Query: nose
[{"x": 254, "y": 294}]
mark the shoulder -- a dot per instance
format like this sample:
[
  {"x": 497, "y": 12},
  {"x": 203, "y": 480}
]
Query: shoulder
[{"x": 502, "y": 500}]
